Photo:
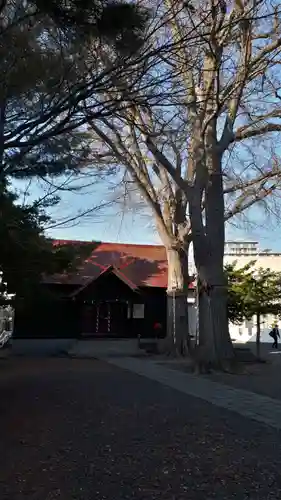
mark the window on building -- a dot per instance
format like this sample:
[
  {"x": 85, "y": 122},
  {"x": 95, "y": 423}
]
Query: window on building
[{"x": 249, "y": 327}]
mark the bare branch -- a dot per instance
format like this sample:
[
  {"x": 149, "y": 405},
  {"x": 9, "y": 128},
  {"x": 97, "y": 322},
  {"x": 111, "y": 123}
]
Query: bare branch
[{"x": 248, "y": 133}]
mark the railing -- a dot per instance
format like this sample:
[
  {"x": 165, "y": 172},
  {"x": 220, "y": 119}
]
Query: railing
[
  {"x": 4, "y": 338},
  {"x": 6, "y": 324}
]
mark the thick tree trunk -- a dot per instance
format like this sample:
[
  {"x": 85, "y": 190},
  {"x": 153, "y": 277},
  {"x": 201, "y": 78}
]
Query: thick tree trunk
[
  {"x": 215, "y": 347},
  {"x": 214, "y": 339},
  {"x": 177, "y": 323},
  {"x": 177, "y": 306}
]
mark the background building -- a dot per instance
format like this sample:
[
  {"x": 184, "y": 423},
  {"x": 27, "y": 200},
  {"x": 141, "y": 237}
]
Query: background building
[
  {"x": 239, "y": 248},
  {"x": 243, "y": 252}
]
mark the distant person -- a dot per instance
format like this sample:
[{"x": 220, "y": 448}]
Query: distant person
[{"x": 275, "y": 335}]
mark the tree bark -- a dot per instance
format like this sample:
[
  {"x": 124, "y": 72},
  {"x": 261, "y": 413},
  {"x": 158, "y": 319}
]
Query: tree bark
[
  {"x": 178, "y": 340},
  {"x": 208, "y": 242},
  {"x": 214, "y": 339}
]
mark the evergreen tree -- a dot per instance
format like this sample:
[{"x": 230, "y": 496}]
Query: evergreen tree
[
  {"x": 52, "y": 64},
  {"x": 25, "y": 253}
]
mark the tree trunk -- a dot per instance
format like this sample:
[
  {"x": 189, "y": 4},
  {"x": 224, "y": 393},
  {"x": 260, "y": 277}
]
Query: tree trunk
[
  {"x": 258, "y": 335},
  {"x": 214, "y": 338},
  {"x": 178, "y": 339},
  {"x": 215, "y": 347}
]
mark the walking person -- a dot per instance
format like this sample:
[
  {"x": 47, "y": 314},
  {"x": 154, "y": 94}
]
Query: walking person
[{"x": 275, "y": 335}]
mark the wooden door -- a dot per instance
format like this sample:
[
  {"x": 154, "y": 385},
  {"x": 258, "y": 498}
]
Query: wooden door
[
  {"x": 88, "y": 326},
  {"x": 119, "y": 318},
  {"x": 103, "y": 318}
]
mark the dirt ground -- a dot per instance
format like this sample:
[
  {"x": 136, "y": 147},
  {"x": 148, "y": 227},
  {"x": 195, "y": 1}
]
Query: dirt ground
[{"x": 84, "y": 430}]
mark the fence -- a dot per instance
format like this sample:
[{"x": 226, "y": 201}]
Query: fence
[{"x": 7, "y": 315}]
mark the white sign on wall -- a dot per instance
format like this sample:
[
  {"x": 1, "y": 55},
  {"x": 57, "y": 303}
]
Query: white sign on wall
[{"x": 138, "y": 311}]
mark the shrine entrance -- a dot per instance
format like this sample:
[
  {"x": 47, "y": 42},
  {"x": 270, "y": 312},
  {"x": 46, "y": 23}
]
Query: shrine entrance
[{"x": 106, "y": 318}]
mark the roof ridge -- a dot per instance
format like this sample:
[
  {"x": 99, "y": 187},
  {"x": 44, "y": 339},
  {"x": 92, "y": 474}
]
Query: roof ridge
[{"x": 150, "y": 245}]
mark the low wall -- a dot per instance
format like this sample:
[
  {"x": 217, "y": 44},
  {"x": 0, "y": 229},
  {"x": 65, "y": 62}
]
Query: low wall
[{"x": 40, "y": 347}]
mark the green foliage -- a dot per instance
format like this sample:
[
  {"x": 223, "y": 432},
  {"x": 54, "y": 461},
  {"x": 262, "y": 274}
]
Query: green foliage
[
  {"x": 120, "y": 23},
  {"x": 68, "y": 256},
  {"x": 25, "y": 253},
  {"x": 23, "y": 249},
  {"x": 58, "y": 155},
  {"x": 52, "y": 69},
  {"x": 35, "y": 97},
  {"x": 49, "y": 73},
  {"x": 252, "y": 291},
  {"x": 125, "y": 25}
]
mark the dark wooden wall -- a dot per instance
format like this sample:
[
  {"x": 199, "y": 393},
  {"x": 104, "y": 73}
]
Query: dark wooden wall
[
  {"x": 63, "y": 317},
  {"x": 155, "y": 312},
  {"x": 50, "y": 319}
]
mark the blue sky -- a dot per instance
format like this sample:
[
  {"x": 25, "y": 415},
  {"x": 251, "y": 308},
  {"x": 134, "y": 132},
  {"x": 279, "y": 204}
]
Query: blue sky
[
  {"x": 116, "y": 225},
  {"x": 132, "y": 230},
  {"x": 112, "y": 225},
  {"x": 109, "y": 223}
]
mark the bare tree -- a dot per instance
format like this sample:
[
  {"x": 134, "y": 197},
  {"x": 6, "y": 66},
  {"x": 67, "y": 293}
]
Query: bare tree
[
  {"x": 233, "y": 101},
  {"x": 193, "y": 150},
  {"x": 204, "y": 85}
]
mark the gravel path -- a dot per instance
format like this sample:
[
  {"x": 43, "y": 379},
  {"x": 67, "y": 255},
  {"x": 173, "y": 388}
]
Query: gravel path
[{"x": 85, "y": 430}]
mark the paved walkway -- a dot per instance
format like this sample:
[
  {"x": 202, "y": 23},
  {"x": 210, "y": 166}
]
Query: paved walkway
[
  {"x": 263, "y": 378},
  {"x": 249, "y": 404}
]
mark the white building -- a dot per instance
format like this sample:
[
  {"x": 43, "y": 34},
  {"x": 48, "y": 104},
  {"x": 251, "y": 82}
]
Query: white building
[
  {"x": 243, "y": 252},
  {"x": 239, "y": 248}
]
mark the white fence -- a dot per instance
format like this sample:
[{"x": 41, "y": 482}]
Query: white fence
[{"x": 7, "y": 315}]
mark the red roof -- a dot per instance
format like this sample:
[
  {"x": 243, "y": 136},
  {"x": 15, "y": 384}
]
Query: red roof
[{"x": 141, "y": 265}]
